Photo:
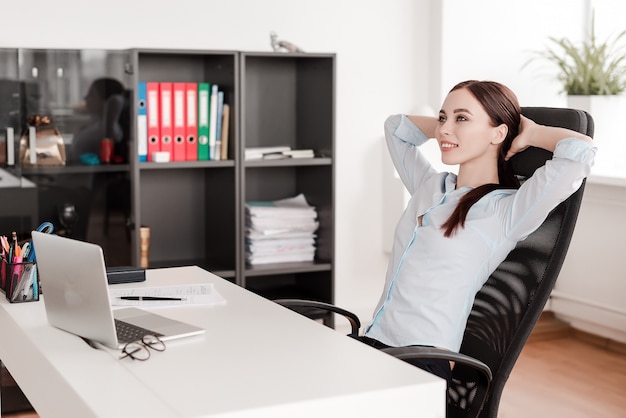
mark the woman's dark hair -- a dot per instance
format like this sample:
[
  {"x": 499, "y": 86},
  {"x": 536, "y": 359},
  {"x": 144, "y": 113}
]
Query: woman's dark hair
[
  {"x": 106, "y": 87},
  {"x": 502, "y": 107}
]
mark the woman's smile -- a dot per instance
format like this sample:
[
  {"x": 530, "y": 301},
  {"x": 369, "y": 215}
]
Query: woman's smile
[{"x": 447, "y": 146}]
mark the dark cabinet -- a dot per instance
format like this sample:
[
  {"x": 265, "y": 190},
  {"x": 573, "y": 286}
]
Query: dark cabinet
[{"x": 62, "y": 88}]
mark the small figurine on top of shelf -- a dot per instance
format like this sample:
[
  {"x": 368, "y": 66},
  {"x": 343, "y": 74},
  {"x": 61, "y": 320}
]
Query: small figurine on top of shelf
[{"x": 283, "y": 46}]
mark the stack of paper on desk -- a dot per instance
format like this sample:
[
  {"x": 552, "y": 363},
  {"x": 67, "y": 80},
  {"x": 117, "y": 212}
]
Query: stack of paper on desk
[
  {"x": 191, "y": 294},
  {"x": 280, "y": 231}
]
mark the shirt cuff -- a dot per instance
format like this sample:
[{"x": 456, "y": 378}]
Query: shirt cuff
[
  {"x": 409, "y": 132},
  {"x": 574, "y": 149}
]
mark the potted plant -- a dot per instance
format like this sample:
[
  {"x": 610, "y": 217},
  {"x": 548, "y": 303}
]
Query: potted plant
[
  {"x": 593, "y": 75},
  {"x": 591, "y": 68}
]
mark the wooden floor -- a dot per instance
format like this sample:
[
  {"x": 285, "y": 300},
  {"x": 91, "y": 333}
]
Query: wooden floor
[{"x": 568, "y": 375}]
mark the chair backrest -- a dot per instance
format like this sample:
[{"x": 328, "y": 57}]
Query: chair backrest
[{"x": 509, "y": 304}]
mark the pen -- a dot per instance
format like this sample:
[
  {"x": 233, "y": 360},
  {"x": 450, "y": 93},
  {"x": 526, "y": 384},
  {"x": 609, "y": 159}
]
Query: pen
[
  {"x": 5, "y": 243},
  {"x": 148, "y": 298}
]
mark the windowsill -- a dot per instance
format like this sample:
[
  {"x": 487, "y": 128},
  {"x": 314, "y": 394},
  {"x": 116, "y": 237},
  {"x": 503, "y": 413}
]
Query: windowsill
[{"x": 606, "y": 180}]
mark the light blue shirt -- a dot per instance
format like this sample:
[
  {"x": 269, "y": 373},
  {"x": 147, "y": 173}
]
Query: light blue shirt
[{"x": 432, "y": 280}]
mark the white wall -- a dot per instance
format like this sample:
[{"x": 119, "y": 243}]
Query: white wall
[{"x": 492, "y": 40}]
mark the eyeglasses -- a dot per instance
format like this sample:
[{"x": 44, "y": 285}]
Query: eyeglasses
[{"x": 139, "y": 350}]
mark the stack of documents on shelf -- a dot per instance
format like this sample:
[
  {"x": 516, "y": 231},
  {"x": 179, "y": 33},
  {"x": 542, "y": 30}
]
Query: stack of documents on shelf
[
  {"x": 299, "y": 153},
  {"x": 280, "y": 231},
  {"x": 278, "y": 152}
]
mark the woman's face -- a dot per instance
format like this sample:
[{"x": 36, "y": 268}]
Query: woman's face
[
  {"x": 465, "y": 133},
  {"x": 93, "y": 101}
]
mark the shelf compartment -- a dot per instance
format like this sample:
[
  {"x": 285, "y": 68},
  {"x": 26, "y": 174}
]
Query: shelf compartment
[
  {"x": 312, "y": 285},
  {"x": 195, "y": 66},
  {"x": 315, "y": 286},
  {"x": 288, "y": 100},
  {"x": 314, "y": 182},
  {"x": 271, "y": 182},
  {"x": 188, "y": 66},
  {"x": 191, "y": 214}
]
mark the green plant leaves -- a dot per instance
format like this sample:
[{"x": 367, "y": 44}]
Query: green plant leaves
[{"x": 589, "y": 68}]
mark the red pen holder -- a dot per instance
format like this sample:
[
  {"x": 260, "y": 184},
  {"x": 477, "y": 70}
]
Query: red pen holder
[{"x": 20, "y": 281}]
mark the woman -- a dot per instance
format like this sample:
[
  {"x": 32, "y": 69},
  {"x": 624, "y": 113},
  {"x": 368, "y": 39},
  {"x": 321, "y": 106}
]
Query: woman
[
  {"x": 457, "y": 229},
  {"x": 107, "y": 106}
]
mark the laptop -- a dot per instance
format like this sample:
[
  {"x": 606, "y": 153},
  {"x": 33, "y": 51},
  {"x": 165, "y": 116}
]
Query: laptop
[{"x": 76, "y": 296}]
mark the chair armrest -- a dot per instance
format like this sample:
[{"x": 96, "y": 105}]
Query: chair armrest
[
  {"x": 416, "y": 352},
  {"x": 355, "y": 323}
]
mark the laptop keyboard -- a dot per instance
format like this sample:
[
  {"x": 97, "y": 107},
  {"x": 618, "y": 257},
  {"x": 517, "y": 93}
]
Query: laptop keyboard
[{"x": 128, "y": 332}]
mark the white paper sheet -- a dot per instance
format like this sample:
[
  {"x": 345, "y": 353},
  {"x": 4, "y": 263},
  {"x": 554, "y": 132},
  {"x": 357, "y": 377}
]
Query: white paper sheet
[{"x": 195, "y": 294}]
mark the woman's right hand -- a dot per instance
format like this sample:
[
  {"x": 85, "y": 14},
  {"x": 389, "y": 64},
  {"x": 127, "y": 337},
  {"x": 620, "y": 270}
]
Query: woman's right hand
[{"x": 540, "y": 136}]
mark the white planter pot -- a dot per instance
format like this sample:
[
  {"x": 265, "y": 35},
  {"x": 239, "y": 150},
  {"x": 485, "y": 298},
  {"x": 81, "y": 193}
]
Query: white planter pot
[{"x": 608, "y": 113}]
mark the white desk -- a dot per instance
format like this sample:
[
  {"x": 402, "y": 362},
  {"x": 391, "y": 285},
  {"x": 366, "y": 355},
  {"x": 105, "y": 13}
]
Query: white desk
[{"x": 256, "y": 359}]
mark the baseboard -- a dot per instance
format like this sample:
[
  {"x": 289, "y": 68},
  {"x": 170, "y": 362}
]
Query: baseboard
[
  {"x": 602, "y": 342},
  {"x": 589, "y": 316},
  {"x": 550, "y": 327}
]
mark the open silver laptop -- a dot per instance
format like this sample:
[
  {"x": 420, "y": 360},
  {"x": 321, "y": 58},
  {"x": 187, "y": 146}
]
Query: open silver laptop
[{"x": 76, "y": 295}]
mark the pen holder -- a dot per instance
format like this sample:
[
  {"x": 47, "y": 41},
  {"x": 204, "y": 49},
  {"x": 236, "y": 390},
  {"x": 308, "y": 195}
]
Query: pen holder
[{"x": 20, "y": 281}]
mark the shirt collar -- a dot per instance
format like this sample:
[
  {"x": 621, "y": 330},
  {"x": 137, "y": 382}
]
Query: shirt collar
[{"x": 450, "y": 185}]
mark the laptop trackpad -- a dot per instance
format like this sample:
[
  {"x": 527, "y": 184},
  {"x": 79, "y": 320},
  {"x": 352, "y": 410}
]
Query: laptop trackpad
[{"x": 155, "y": 322}]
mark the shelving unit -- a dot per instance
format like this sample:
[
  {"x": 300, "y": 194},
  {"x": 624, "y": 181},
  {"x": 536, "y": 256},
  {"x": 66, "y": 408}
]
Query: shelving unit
[
  {"x": 196, "y": 209},
  {"x": 190, "y": 206},
  {"x": 289, "y": 99}
]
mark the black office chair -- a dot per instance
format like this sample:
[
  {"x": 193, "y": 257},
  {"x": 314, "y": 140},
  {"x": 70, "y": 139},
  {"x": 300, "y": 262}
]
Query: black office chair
[{"x": 508, "y": 306}]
